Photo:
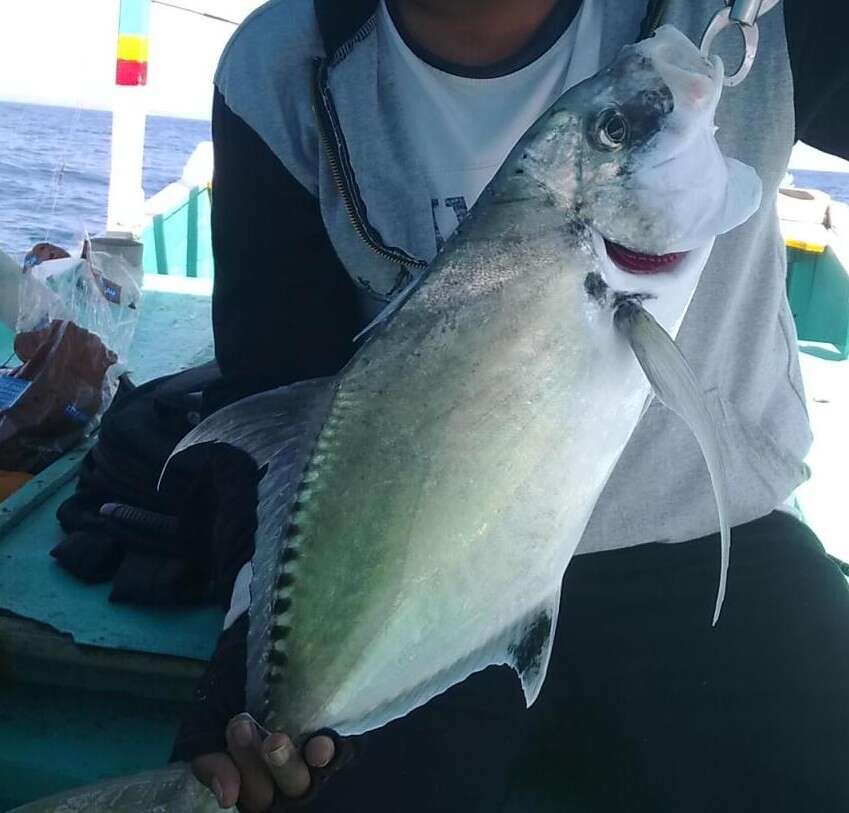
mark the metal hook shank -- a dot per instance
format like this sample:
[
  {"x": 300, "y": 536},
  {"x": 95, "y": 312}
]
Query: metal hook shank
[
  {"x": 722, "y": 20},
  {"x": 747, "y": 12}
]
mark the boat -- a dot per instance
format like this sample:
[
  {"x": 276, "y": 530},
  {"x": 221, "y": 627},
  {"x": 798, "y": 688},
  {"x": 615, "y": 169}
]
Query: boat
[
  {"x": 816, "y": 234},
  {"x": 92, "y": 689}
]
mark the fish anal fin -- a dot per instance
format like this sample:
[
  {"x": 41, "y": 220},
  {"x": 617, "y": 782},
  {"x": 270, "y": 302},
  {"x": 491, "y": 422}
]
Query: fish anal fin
[
  {"x": 530, "y": 651},
  {"x": 525, "y": 646}
]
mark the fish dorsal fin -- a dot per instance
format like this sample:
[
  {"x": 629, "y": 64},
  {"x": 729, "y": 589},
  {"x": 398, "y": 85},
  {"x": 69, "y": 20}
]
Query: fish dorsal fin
[
  {"x": 278, "y": 429},
  {"x": 391, "y": 308},
  {"x": 675, "y": 384},
  {"x": 525, "y": 646}
]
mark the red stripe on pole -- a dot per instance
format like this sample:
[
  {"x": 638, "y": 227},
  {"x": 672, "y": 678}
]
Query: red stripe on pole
[{"x": 129, "y": 73}]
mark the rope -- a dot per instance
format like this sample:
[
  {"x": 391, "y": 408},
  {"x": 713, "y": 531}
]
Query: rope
[{"x": 195, "y": 11}]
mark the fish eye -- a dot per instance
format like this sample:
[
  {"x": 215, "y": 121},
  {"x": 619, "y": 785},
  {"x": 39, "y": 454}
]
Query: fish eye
[{"x": 610, "y": 130}]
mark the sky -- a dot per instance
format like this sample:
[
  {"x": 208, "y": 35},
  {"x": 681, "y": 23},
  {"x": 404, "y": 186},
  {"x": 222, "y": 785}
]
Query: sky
[{"x": 63, "y": 52}]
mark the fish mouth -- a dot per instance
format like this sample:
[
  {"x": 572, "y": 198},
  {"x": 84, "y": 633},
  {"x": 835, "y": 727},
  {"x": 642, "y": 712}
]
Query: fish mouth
[{"x": 635, "y": 263}]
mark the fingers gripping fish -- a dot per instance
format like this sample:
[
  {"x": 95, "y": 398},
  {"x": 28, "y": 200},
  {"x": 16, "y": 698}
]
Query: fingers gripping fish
[{"x": 417, "y": 511}]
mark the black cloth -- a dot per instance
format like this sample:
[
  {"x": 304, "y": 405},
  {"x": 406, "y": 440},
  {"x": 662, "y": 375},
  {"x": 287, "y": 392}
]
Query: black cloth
[
  {"x": 646, "y": 707},
  {"x": 162, "y": 545}
]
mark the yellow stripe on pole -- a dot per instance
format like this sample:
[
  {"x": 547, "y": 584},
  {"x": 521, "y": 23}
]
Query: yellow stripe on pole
[{"x": 132, "y": 48}]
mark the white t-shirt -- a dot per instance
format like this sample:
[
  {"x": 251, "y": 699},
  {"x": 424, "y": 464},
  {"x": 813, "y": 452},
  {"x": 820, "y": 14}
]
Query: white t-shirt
[{"x": 467, "y": 126}]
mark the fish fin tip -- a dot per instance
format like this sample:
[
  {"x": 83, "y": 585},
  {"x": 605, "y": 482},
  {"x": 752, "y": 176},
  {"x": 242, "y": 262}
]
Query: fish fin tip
[
  {"x": 531, "y": 652},
  {"x": 525, "y": 646},
  {"x": 675, "y": 384}
]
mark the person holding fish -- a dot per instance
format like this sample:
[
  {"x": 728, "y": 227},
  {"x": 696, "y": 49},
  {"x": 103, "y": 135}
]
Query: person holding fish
[
  {"x": 457, "y": 214},
  {"x": 361, "y": 138}
]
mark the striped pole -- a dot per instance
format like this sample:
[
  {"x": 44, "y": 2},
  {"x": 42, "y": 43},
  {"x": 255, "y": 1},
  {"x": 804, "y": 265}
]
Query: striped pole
[
  {"x": 129, "y": 112},
  {"x": 133, "y": 33}
]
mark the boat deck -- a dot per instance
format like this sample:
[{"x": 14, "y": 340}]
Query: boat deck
[{"x": 96, "y": 688}]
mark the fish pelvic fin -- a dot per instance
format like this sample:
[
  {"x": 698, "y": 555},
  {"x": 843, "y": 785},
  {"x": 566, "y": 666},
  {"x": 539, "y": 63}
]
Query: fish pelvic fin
[{"x": 675, "y": 384}]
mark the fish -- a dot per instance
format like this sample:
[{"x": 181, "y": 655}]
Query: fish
[{"x": 418, "y": 510}]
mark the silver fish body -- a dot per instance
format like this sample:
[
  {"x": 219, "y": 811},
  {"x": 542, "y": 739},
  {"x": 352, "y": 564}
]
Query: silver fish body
[{"x": 417, "y": 511}]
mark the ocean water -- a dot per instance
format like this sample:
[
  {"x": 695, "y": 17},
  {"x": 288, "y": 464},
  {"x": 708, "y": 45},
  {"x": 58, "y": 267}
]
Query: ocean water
[
  {"x": 835, "y": 184},
  {"x": 54, "y": 170}
]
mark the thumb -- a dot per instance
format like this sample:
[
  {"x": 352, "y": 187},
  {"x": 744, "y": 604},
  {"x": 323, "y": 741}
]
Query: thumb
[{"x": 219, "y": 773}]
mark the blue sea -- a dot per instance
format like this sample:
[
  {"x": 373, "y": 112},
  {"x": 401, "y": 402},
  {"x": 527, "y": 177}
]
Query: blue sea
[{"x": 54, "y": 170}]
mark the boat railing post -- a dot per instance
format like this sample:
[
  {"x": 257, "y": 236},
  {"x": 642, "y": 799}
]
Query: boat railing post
[{"x": 125, "y": 212}]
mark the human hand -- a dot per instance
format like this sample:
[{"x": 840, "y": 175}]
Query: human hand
[{"x": 257, "y": 765}]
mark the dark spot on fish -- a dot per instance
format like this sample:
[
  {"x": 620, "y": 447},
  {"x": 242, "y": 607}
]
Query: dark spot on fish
[
  {"x": 285, "y": 579},
  {"x": 596, "y": 287},
  {"x": 275, "y": 676},
  {"x": 627, "y": 305},
  {"x": 520, "y": 172},
  {"x": 527, "y": 654},
  {"x": 281, "y": 605},
  {"x": 281, "y": 631},
  {"x": 661, "y": 100},
  {"x": 293, "y": 530},
  {"x": 290, "y": 554},
  {"x": 279, "y": 658},
  {"x": 632, "y": 298},
  {"x": 297, "y": 506}
]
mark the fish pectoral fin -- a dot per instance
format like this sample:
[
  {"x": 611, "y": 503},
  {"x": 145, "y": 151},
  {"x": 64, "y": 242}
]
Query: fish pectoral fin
[
  {"x": 675, "y": 384},
  {"x": 529, "y": 649}
]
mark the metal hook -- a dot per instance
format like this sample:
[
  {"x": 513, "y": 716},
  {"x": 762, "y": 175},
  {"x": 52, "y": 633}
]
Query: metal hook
[
  {"x": 721, "y": 21},
  {"x": 744, "y": 14}
]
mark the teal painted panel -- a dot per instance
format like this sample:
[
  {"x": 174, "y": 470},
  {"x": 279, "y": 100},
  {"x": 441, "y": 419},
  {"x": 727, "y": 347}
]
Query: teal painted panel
[
  {"x": 818, "y": 291},
  {"x": 160, "y": 245},
  {"x": 35, "y": 587},
  {"x": 149, "y": 263},
  {"x": 206, "y": 265},
  {"x": 192, "y": 234},
  {"x": 53, "y": 740},
  {"x": 174, "y": 332},
  {"x": 179, "y": 242},
  {"x": 7, "y": 343}
]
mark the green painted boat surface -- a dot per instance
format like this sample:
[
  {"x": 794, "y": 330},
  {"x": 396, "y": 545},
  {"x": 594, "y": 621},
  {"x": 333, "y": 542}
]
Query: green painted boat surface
[
  {"x": 90, "y": 689},
  {"x": 818, "y": 291},
  {"x": 178, "y": 242}
]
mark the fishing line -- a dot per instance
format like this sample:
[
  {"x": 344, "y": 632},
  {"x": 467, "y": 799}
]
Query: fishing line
[
  {"x": 59, "y": 173},
  {"x": 195, "y": 11}
]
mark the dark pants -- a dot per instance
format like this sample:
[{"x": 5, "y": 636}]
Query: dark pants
[{"x": 647, "y": 707}]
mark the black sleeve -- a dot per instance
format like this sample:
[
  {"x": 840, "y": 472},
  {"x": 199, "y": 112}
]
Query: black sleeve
[
  {"x": 284, "y": 308},
  {"x": 817, "y": 32}
]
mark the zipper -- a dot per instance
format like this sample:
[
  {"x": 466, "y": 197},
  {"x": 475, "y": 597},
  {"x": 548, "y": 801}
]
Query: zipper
[{"x": 330, "y": 135}]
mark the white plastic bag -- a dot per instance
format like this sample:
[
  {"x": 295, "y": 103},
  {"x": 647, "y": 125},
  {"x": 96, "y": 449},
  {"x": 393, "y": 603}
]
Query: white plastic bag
[{"x": 75, "y": 326}]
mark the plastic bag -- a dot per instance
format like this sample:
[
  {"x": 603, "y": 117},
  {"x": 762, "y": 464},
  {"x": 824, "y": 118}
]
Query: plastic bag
[{"x": 75, "y": 326}]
